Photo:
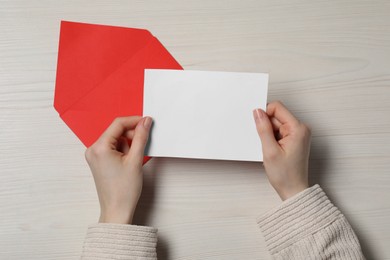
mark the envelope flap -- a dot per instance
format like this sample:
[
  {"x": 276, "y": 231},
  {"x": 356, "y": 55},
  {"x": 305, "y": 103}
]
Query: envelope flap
[{"x": 88, "y": 54}]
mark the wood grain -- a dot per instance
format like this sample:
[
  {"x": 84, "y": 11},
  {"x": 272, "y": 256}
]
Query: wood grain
[{"x": 328, "y": 62}]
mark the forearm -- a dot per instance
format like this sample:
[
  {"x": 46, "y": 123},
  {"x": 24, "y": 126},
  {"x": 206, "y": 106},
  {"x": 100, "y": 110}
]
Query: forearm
[{"x": 309, "y": 226}]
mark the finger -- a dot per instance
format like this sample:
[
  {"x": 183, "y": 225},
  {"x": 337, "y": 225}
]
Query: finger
[
  {"x": 265, "y": 131},
  {"x": 281, "y": 113},
  {"x": 118, "y": 127},
  {"x": 276, "y": 124},
  {"x": 285, "y": 130},
  {"x": 141, "y": 136},
  {"x": 129, "y": 134}
]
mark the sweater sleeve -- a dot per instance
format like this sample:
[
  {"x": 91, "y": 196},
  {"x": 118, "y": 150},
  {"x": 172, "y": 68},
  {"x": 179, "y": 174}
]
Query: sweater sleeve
[
  {"x": 309, "y": 226},
  {"x": 117, "y": 241}
]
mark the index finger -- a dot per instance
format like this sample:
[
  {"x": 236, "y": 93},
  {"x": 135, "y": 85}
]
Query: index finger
[
  {"x": 119, "y": 126},
  {"x": 280, "y": 112}
]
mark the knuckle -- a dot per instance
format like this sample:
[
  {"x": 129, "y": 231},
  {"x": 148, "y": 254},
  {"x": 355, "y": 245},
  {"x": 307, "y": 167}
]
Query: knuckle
[
  {"x": 87, "y": 154},
  {"x": 308, "y": 130},
  {"x": 117, "y": 120},
  {"x": 305, "y": 130},
  {"x": 302, "y": 131},
  {"x": 95, "y": 151},
  {"x": 277, "y": 103},
  {"x": 271, "y": 155}
]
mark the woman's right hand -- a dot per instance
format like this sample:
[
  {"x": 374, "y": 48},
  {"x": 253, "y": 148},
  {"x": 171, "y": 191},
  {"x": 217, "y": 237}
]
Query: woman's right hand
[{"x": 286, "y": 147}]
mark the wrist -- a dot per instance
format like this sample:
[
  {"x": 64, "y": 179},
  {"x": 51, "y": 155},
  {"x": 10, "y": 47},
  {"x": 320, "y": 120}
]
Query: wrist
[
  {"x": 289, "y": 192},
  {"x": 116, "y": 217}
]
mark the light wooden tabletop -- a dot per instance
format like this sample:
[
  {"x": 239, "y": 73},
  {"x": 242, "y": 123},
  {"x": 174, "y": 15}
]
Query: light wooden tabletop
[{"x": 329, "y": 62}]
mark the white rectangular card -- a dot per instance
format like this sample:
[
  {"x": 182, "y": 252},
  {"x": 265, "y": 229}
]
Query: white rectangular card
[{"x": 204, "y": 114}]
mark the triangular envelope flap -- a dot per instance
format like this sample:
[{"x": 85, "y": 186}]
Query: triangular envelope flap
[
  {"x": 154, "y": 56},
  {"x": 92, "y": 114},
  {"x": 120, "y": 94},
  {"x": 89, "y": 53}
]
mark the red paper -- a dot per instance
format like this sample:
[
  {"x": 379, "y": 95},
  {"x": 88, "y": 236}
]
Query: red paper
[{"x": 100, "y": 74}]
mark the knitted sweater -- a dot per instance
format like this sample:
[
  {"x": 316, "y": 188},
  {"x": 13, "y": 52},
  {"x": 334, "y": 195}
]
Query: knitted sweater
[{"x": 306, "y": 226}]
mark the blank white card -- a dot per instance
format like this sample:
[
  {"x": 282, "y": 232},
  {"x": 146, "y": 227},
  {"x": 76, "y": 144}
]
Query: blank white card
[{"x": 204, "y": 114}]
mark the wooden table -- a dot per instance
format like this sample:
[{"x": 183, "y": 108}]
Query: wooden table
[{"x": 329, "y": 62}]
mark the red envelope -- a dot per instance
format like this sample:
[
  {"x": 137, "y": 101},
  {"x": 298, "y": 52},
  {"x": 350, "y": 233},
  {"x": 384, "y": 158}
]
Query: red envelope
[{"x": 100, "y": 74}]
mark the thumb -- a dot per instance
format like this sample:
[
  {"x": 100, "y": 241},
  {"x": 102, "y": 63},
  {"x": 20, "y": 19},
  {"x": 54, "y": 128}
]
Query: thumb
[
  {"x": 140, "y": 139},
  {"x": 265, "y": 131}
]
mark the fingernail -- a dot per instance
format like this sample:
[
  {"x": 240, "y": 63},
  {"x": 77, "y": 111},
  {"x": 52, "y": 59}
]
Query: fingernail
[
  {"x": 147, "y": 122},
  {"x": 257, "y": 115}
]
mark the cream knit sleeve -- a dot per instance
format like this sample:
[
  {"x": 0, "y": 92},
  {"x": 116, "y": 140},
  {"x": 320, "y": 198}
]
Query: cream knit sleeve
[
  {"x": 116, "y": 241},
  {"x": 309, "y": 226}
]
